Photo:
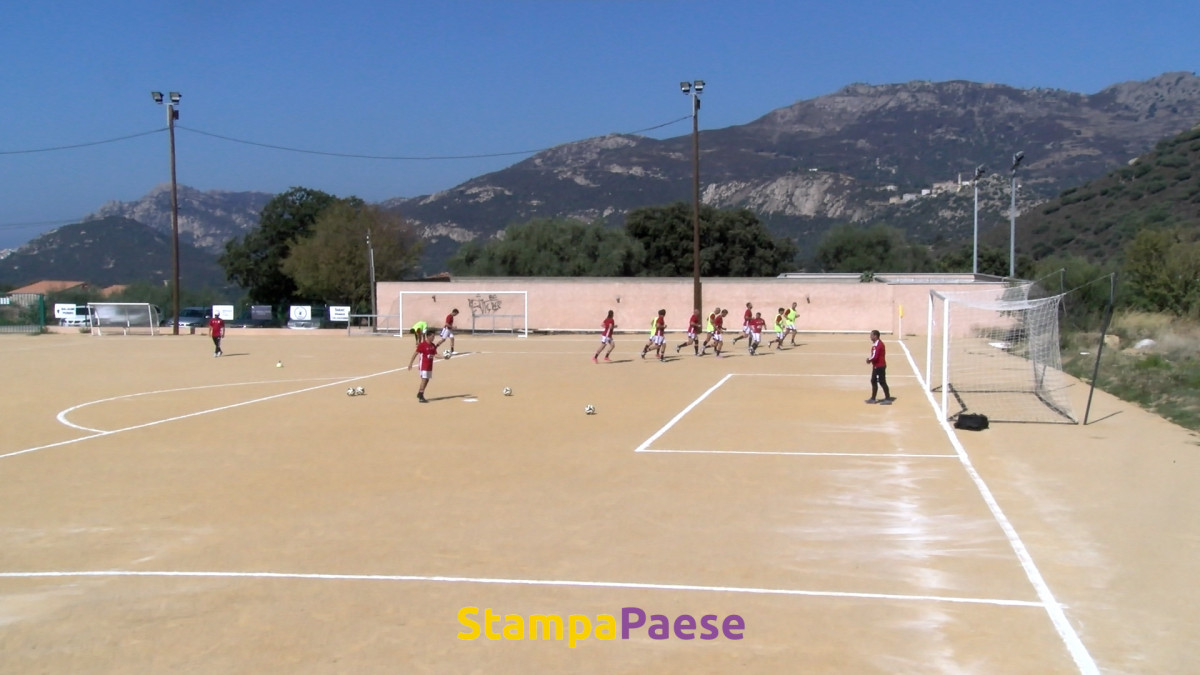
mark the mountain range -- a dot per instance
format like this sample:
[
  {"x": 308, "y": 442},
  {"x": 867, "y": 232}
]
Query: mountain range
[{"x": 900, "y": 154}]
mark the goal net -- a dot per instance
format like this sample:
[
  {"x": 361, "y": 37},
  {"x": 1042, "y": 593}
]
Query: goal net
[
  {"x": 123, "y": 318},
  {"x": 479, "y": 312},
  {"x": 997, "y": 352}
]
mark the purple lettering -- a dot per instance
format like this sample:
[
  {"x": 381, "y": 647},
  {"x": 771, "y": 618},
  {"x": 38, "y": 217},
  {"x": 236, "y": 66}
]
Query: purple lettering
[
  {"x": 684, "y": 625},
  {"x": 660, "y": 627},
  {"x": 626, "y": 624},
  {"x": 710, "y": 628},
  {"x": 733, "y": 622}
]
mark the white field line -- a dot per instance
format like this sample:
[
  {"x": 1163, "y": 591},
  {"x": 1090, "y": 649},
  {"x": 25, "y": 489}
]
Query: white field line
[
  {"x": 693, "y": 404},
  {"x": 1083, "y": 659},
  {"x": 62, "y": 416},
  {"x": 887, "y": 455},
  {"x": 521, "y": 582},
  {"x": 196, "y": 414}
]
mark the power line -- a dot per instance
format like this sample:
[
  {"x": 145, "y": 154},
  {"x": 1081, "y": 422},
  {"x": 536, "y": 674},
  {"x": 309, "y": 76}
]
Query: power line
[
  {"x": 396, "y": 157},
  {"x": 285, "y": 148},
  {"x": 352, "y": 155},
  {"x": 81, "y": 145},
  {"x": 40, "y": 223}
]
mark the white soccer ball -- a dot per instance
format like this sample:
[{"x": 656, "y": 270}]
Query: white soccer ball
[
  {"x": 447, "y": 353},
  {"x": 359, "y": 391},
  {"x": 350, "y": 391},
  {"x": 589, "y": 409},
  {"x": 507, "y": 391}
]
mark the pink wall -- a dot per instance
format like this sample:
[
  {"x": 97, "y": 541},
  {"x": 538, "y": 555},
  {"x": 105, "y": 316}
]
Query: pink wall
[{"x": 828, "y": 303}]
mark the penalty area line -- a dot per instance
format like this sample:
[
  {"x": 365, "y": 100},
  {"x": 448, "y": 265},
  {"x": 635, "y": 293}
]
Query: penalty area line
[
  {"x": 675, "y": 419},
  {"x": 196, "y": 414},
  {"x": 886, "y": 455},
  {"x": 1002, "y": 602}
]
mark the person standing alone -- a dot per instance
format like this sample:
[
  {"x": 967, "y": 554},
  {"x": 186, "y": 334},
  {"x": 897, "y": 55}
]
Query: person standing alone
[
  {"x": 216, "y": 330},
  {"x": 427, "y": 351},
  {"x": 878, "y": 361},
  {"x": 606, "y": 337}
]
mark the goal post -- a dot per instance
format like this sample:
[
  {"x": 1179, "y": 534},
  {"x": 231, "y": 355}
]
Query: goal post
[
  {"x": 480, "y": 312},
  {"x": 997, "y": 352},
  {"x": 124, "y": 318}
]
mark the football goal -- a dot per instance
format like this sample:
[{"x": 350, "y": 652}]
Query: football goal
[
  {"x": 479, "y": 312},
  {"x": 123, "y": 318},
  {"x": 997, "y": 352}
]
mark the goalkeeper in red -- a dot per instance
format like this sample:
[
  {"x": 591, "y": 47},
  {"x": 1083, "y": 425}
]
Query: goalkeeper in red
[{"x": 878, "y": 361}]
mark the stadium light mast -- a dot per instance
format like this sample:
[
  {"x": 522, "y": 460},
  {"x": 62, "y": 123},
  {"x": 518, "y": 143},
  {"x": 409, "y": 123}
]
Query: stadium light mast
[
  {"x": 172, "y": 115},
  {"x": 694, "y": 89},
  {"x": 979, "y": 171},
  {"x": 371, "y": 263},
  {"x": 1012, "y": 218}
]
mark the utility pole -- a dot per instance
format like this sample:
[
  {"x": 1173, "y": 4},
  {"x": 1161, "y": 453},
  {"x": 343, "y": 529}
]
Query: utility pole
[
  {"x": 693, "y": 89},
  {"x": 172, "y": 115},
  {"x": 1012, "y": 218}
]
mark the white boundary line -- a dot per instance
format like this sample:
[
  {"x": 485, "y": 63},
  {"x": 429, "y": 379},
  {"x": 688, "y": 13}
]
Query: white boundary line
[
  {"x": 62, "y": 416},
  {"x": 888, "y": 455},
  {"x": 196, "y": 414},
  {"x": 1079, "y": 652},
  {"x": 693, "y": 404},
  {"x": 521, "y": 582}
]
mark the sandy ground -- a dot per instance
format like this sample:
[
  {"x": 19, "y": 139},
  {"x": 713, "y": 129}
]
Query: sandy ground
[{"x": 165, "y": 511}]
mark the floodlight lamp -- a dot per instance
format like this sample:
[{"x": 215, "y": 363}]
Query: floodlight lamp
[
  {"x": 157, "y": 96},
  {"x": 686, "y": 87},
  {"x": 979, "y": 171},
  {"x": 699, "y": 86},
  {"x": 1017, "y": 159},
  {"x": 175, "y": 97}
]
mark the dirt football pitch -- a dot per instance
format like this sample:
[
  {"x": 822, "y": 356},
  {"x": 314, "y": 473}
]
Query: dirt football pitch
[{"x": 165, "y": 511}]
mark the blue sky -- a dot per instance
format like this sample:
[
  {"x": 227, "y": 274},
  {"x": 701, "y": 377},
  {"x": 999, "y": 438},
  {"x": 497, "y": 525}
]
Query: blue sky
[{"x": 454, "y": 78}]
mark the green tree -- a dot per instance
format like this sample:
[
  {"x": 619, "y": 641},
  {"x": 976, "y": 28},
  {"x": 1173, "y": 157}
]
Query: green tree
[
  {"x": 992, "y": 260},
  {"x": 332, "y": 264},
  {"x": 1088, "y": 285},
  {"x": 878, "y": 248},
  {"x": 732, "y": 243},
  {"x": 1162, "y": 271},
  {"x": 255, "y": 260},
  {"x": 556, "y": 247}
]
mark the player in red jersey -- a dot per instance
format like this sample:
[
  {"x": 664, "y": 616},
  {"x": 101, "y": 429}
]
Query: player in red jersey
[
  {"x": 658, "y": 336},
  {"x": 216, "y": 330},
  {"x": 693, "y": 333},
  {"x": 448, "y": 331},
  {"x": 756, "y": 328},
  {"x": 747, "y": 317},
  {"x": 606, "y": 337},
  {"x": 427, "y": 351},
  {"x": 878, "y": 361}
]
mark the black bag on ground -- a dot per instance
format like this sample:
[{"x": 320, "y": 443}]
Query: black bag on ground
[{"x": 971, "y": 422}]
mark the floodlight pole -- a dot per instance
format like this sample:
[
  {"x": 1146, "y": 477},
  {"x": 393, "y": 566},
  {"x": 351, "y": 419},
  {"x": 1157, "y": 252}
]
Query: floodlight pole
[
  {"x": 693, "y": 89},
  {"x": 172, "y": 115},
  {"x": 979, "y": 171},
  {"x": 1012, "y": 218},
  {"x": 371, "y": 263}
]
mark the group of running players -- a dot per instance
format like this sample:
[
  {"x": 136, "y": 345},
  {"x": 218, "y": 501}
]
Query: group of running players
[{"x": 753, "y": 326}]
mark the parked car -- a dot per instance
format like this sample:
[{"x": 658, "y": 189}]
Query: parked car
[{"x": 189, "y": 317}]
